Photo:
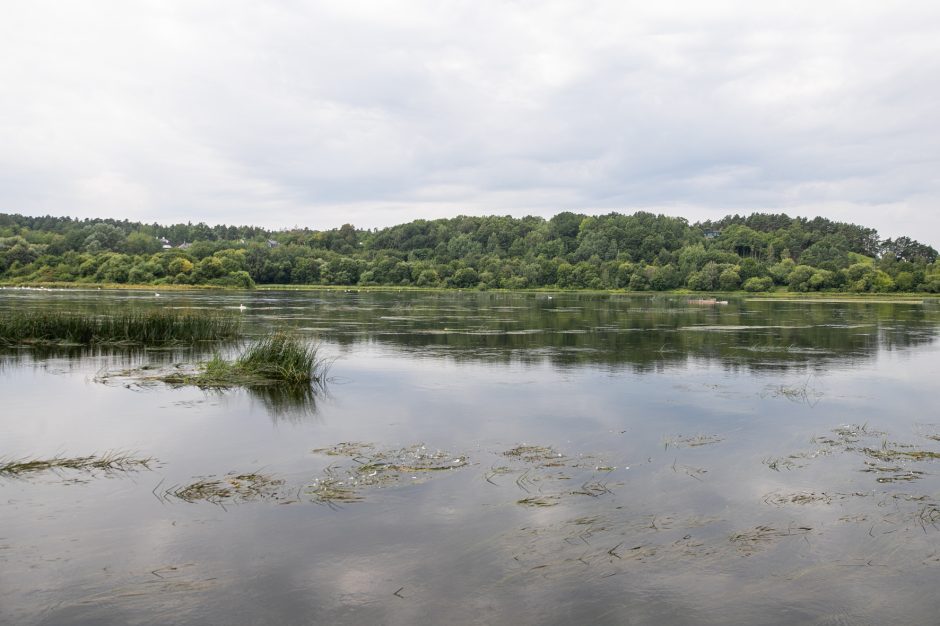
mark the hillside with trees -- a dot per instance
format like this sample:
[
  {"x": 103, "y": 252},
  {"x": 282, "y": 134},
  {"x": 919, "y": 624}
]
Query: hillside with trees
[{"x": 639, "y": 252}]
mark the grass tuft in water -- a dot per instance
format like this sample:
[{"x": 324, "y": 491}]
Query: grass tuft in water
[
  {"x": 131, "y": 328},
  {"x": 283, "y": 358},
  {"x": 544, "y": 455},
  {"x": 276, "y": 359},
  {"x": 232, "y": 488},
  {"x": 108, "y": 462},
  {"x": 692, "y": 441}
]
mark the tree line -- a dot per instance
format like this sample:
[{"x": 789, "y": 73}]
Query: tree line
[{"x": 639, "y": 252}]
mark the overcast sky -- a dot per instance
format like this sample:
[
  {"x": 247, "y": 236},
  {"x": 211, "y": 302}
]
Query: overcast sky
[{"x": 319, "y": 113}]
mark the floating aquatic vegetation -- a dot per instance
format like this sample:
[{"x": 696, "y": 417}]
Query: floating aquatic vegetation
[
  {"x": 928, "y": 431},
  {"x": 333, "y": 490},
  {"x": 130, "y": 328},
  {"x": 804, "y": 393},
  {"x": 231, "y": 488},
  {"x": 540, "y": 470},
  {"x": 847, "y": 434},
  {"x": 929, "y": 514},
  {"x": 542, "y": 455},
  {"x": 606, "y": 544},
  {"x": 800, "y": 497},
  {"x": 776, "y": 498},
  {"x": 778, "y": 463},
  {"x": 688, "y": 470},
  {"x": 605, "y": 539},
  {"x": 891, "y": 473},
  {"x": 795, "y": 460},
  {"x": 107, "y": 463},
  {"x": 891, "y": 463},
  {"x": 346, "y": 448},
  {"x": 888, "y": 454},
  {"x": 754, "y": 539},
  {"x": 539, "y": 501},
  {"x": 592, "y": 488},
  {"x": 887, "y": 461},
  {"x": 495, "y": 471},
  {"x": 371, "y": 467},
  {"x": 692, "y": 441}
]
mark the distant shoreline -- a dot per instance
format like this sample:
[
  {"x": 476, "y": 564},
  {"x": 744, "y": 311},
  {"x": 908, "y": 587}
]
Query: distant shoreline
[{"x": 815, "y": 296}]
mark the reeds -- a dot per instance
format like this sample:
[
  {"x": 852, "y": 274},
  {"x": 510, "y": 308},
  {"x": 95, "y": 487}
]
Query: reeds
[
  {"x": 277, "y": 359},
  {"x": 129, "y": 328},
  {"x": 281, "y": 357}
]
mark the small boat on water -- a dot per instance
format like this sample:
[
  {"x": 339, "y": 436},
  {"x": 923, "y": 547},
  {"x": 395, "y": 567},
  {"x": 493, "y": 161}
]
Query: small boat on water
[{"x": 708, "y": 301}]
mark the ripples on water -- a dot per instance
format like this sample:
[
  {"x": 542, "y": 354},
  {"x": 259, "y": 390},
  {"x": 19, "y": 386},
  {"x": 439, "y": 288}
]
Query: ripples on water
[{"x": 620, "y": 459}]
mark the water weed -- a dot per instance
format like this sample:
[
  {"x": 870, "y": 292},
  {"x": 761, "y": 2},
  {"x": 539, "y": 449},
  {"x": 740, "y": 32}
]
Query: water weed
[
  {"x": 109, "y": 462},
  {"x": 130, "y": 328}
]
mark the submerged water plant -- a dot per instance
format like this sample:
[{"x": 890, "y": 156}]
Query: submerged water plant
[
  {"x": 370, "y": 467},
  {"x": 129, "y": 328},
  {"x": 108, "y": 462},
  {"x": 232, "y": 488}
]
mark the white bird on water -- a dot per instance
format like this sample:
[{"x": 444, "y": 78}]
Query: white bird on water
[
  {"x": 156, "y": 295},
  {"x": 242, "y": 307}
]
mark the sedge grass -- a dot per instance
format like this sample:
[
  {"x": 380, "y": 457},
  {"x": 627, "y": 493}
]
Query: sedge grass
[
  {"x": 281, "y": 357},
  {"x": 129, "y": 328},
  {"x": 277, "y": 359}
]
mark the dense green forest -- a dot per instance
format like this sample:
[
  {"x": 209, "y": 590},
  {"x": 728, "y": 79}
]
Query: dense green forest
[{"x": 643, "y": 251}]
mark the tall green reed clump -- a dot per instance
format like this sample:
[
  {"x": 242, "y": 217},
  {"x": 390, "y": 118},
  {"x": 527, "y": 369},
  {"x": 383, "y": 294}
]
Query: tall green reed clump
[
  {"x": 153, "y": 327},
  {"x": 282, "y": 358}
]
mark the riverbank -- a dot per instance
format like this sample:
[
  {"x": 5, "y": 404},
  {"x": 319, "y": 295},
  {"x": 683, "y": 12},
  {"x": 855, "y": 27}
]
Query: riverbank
[{"x": 816, "y": 296}]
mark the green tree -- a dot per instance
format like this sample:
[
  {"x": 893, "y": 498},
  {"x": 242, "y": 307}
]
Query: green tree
[{"x": 799, "y": 278}]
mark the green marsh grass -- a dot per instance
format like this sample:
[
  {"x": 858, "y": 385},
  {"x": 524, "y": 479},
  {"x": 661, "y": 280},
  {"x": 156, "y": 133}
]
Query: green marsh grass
[
  {"x": 281, "y": 357},
  {"x": 277, "y": 359},
  {"x": 130, "y": 328}
]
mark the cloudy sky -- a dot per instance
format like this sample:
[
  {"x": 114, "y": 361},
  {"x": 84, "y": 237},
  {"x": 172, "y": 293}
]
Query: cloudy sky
[{"x": 324, "y": 112}]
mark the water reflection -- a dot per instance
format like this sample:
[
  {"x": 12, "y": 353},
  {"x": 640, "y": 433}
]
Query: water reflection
[
  {"x": 620, "y": 460},
  {"x": 289, "y": 403},
  {"x": 641, "y": 334}
]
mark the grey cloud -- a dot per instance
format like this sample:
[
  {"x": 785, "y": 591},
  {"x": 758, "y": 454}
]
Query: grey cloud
[{"x": 316, "y": 113}]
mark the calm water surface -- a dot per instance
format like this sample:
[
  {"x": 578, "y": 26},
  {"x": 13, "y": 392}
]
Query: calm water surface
[{"x": 760, "y": 462}]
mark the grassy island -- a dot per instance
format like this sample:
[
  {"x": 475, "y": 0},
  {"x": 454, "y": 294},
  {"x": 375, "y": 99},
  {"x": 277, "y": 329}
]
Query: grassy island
[{"x": 277, "y": 359}]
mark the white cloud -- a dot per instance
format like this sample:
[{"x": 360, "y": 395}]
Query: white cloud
[{"x": 318, "y": 113}]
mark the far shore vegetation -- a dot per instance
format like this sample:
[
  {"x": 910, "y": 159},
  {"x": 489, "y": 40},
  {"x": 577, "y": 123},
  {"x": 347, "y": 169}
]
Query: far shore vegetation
[
  {"x": 758, "y": 254},
  {"x": 126, "y": 328}
]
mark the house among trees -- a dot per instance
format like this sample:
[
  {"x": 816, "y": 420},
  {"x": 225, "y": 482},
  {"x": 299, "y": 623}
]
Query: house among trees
[{"x": 710, "y": 233}]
